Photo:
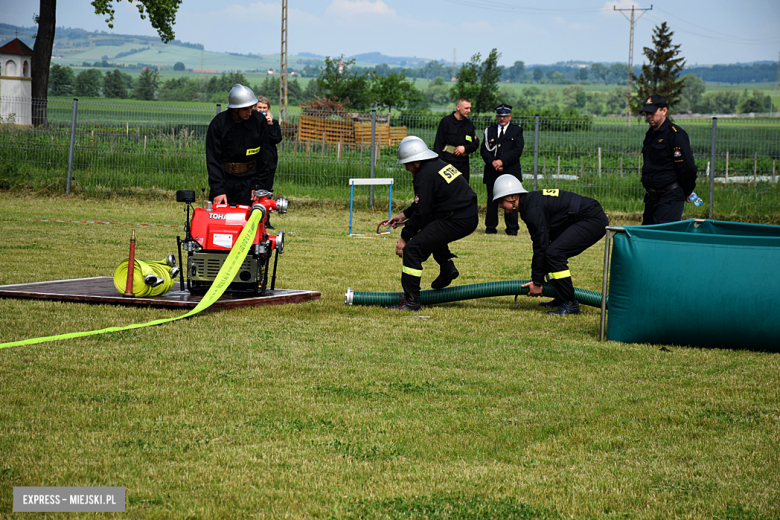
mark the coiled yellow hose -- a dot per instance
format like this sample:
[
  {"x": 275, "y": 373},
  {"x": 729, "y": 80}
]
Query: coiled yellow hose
[{"x": 141, "y": 270}]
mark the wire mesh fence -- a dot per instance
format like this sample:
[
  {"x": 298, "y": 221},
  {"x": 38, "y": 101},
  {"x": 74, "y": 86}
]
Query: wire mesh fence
[{"x": 121, "y": 145}]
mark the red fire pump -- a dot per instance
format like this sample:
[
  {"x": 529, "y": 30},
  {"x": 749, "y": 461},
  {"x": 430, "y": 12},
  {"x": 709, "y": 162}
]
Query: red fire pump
[{"x": 210, "y": 236}]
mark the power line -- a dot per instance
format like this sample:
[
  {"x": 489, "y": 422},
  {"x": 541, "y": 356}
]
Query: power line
[
  {"x": 501, "y": 6},
  {"x": 631, "y": 55}
]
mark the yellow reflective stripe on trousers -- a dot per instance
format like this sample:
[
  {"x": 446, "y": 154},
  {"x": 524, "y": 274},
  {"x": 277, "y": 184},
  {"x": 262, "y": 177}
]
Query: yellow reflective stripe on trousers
[
  {"x": 559, "y": 275},
  {"x": 412, "y": 272},
  {"x": 225, "y": 276}
]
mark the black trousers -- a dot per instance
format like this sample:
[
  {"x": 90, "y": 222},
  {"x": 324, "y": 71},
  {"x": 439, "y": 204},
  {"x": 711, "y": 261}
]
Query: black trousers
[
  {"x": 491, "y": 217},
  {"x": 666, "y": 207},
  {"x": 574, "y": 240},
  {"x": 237, "y": 189},
  {"x": 433, "y": 239}
]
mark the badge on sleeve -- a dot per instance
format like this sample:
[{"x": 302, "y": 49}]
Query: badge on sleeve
[
  {"x": 677, "y": 152},
  {"x": 550, "y": 193},
  {"x": 449, "y": 173}
]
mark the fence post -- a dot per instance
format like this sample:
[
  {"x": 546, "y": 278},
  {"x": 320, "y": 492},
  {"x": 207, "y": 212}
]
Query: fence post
[
  {"x": 72, "y": 143},
  {"x": 219, "y": 108},
  {"x": 712, "y": 166},
  {"x": 536, "y": 147},
  {"x": 599, "y": 161},
  {"x": 373, "y": 156}
]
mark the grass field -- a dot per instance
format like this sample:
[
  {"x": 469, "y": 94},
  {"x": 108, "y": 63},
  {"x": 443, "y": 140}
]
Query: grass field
[{"x": 480, "y": 409}]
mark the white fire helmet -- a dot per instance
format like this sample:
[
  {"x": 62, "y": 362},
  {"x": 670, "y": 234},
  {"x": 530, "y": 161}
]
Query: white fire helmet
[
  {"x": 412, "y": 149},
  {"x": 507, "y": 185}
]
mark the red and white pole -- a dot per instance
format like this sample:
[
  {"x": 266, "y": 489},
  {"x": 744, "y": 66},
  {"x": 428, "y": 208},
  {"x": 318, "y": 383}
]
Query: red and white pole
[{"x": 130, "y": 268}]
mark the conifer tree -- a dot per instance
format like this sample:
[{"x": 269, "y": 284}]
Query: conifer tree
[{"x": 661, "y": 74}]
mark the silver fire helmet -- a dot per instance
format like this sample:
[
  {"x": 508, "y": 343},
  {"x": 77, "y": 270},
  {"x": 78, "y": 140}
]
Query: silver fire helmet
[{"x": 241, "y": 97}]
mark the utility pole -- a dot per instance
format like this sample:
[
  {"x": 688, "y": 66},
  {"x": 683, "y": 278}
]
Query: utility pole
[
  {"x": 630, "y": 55},
  {"x": 454, "y": 67},
  {"x": 283, "y": 67}
]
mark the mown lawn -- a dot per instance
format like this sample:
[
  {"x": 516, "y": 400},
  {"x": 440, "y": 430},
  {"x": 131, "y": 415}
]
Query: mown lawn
[{"x": 472, "y": 409}]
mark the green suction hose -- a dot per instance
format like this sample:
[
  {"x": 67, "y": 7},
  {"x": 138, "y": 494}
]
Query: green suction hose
[{"x": 468, "y": 292}]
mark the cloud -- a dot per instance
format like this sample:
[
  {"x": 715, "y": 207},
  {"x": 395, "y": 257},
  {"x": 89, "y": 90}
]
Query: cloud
[{"x": 359, "y": 7}]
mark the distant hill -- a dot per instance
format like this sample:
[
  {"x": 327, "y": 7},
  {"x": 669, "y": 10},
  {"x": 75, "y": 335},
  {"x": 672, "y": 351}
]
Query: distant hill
[{"x": 80, "y": 48}]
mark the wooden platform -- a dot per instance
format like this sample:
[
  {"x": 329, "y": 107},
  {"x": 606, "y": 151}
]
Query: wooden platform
[{"x": 101, "y": 289}]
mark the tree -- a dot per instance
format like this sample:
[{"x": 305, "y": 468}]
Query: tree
[
  {"x": 179, "y": 89},
  {"x": 757, "y": 103},
  {"x": 179, "y": 66},
  {"x": 692, "y": 92},
  {"x": 394, "y": 91},
  {"x": 338, "y": 81},
  {"x": 88, "y": 83},
  {"x": 146, "y": 87},
  {"x": 572, "y": 97},
  {"x": 311, "y": 91},
  {"x": 438, "y": 92},
  {"x": 61, "y": 80},
  {"x": 114, "y": 85},
  {"x": 660, "y": 75},
  {"x": 598, "y": 72},
  {"x": 515, "y": 73},
  {"x": 161, "y": 13},
  {"x": 538, "y": 74},
  {"x": 581, "y": 74},
  {"x": 478, "y": 82}
]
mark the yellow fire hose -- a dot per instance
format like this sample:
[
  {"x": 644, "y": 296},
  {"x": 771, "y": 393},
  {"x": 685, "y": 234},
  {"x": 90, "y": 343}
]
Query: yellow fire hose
[
  {"x": 224, "y": 277},
  {"x": 143, "y": 269}
]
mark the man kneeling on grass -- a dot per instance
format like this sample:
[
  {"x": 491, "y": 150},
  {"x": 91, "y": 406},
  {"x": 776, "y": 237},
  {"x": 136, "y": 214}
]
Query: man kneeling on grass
[{"x": 562, "y": 224}]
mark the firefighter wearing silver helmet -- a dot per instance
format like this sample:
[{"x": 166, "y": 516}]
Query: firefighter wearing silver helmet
[
  {"x": 444, "y": 210},
  {"x": 237, "y": 150},
  {"x": 562, "y": 225}
]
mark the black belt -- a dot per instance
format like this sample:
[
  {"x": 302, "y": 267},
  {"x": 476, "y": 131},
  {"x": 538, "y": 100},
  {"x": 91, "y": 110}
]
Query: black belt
[
  {"x": 241, "y": 167},
  {"x": 574, "y": 207},
  {"x": 665, "y": 189}
]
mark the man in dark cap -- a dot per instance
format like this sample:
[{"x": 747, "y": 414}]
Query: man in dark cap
[
  {"x": 456, "y": 139},
  {"x": 501, "y": 151},
  {"x": 668, "y": 169}
]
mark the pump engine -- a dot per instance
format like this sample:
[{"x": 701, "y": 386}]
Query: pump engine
[{"x": 210, "y": 237}]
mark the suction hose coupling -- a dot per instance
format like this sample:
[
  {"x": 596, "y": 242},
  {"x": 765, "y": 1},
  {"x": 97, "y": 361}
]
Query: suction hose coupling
[
  {"x": 281, "y": 206},
  {"x": 349, "y": 295},
  {"x": 258, "y": 207}
]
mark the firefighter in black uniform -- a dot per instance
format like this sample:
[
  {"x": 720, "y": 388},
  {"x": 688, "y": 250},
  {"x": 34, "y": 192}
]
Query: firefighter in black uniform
[
  {"x": 274, "y": 137},
  {"x": 668, "y": 169},
  {"x": 562, "y": 224},
  {"x": 456, "y": 138},
  {"x": 444, "y": 210},
  {"x": 501, "y": 150},
  {"x": 237, "y": 150}
]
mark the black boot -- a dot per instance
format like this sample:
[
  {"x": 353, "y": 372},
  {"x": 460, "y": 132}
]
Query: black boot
[
  {"x": 447, "y": 273},
  {"x": 552, "y": 303},
  {"x": 572, "y": 307},
  {"x": 407, "y": 304}
]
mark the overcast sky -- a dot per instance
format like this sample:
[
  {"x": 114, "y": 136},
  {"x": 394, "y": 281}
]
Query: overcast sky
[{"x": 709, "y": 31}]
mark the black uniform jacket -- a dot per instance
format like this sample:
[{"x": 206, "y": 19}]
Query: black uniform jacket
[
  {"x": 509, "y": 149},
  {"x": 668, "y": 158},
  {"x": 231, "y": 142},
  {"x": 274, "y": 138},
  {"x": 440, "y": 190},
  {"x": 546, "y": 215},
  {"x": 456, "y": 133}
]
